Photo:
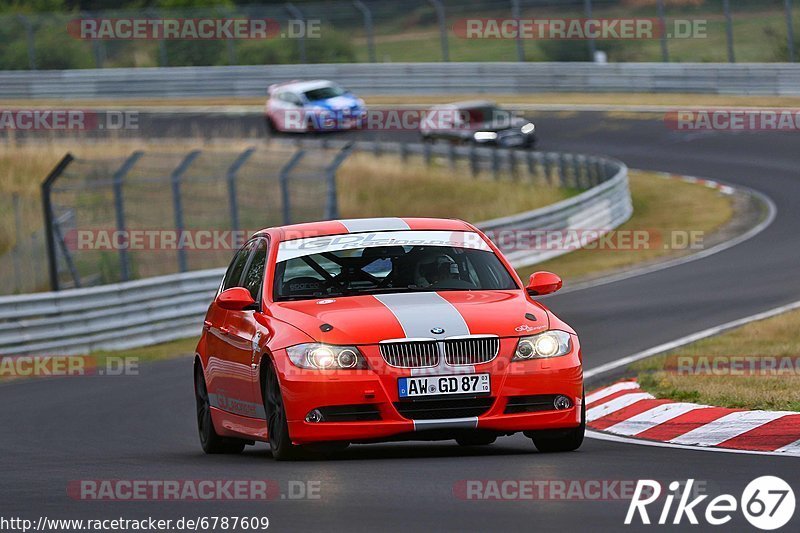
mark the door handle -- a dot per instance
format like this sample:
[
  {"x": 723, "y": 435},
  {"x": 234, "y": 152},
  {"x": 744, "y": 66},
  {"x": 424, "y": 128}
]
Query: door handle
[
  {"x": 224, "y": 330},
  {"x": 206, "y": 324}
]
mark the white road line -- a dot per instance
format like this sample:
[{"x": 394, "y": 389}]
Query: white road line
[
  {"x": 608, "y": 391},
  {"x": 654, "y": 417},
  {"x": 772, "y": 211},
  {"x": 791, "y": 449},
  {"x": 616, "y": 404},
  {"x": 727, "y": 427},
  {"x": 688, "y": 339}
]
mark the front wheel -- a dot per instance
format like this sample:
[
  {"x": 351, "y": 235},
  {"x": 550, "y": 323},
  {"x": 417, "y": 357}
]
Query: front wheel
[
  {"x": 277, "y": 425},
  {"x": 565, "y": 442},
  {"x": 211, "y": 442}
]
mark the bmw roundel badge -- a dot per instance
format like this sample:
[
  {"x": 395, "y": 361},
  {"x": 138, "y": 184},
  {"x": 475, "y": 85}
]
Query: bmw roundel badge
[{"x": 437, "y": 331}]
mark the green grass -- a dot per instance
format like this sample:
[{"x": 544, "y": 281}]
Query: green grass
[{"x": 774, "y": 337}]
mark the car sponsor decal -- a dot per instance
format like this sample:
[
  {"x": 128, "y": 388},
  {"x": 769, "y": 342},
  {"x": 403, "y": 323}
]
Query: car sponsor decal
[{"x": 336, "y": 243}]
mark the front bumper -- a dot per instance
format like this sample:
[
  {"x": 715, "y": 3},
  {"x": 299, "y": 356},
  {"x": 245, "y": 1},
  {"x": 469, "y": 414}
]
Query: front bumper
[{"x": 376, "y": 390}]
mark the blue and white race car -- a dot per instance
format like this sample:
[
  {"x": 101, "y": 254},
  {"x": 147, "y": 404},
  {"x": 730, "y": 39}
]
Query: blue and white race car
[{"x": 315, "y": 105}]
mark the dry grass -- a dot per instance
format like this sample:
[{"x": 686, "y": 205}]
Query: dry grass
[
  {"x": 662, "y": 207},
  {"x": 387, "y": 186},
  {"x": 774, "y": 337}
]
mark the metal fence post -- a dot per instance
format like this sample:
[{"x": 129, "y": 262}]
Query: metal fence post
[
  {"x": 231, "y": 178},
  {"x": 295, "y": 12},
  {"x": 426, "y": 152},
  {"x": 119, "y": 210},
  {"x": 175, "y": 180},
  {"x": 663, "y": 19},
  {"x": 726, "y": 5},
  {"x": 31, "y": 39},
  {"x": 283, "y": 178},
  {"x": 440, "y": 16},
  {"x": 332, "y": 203},
  {"x": 587, "y": 8},
  {"x": 49, "y": 222},
  {"x": 18, "y": 242},
  {"x": 789, "y": 29},
  {"x": 515, "y": 14},
  {"x": 369, "y": 29},
  {"x": 163, "y": 60}
]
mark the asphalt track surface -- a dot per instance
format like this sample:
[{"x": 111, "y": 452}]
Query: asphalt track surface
[{"x": 143, "y": 427}]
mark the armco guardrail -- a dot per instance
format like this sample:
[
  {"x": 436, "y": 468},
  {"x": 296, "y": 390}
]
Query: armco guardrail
[
  {"x": 408, "y": 78},
  {"x": 149, "y": 311}
]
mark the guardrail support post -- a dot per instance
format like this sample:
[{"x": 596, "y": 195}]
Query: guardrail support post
[
  {"x": 369, "y": 29},
  {"x": 426, "y": 152},
  {"x": 49, "y": 219},
  {"x": 531, "y": 162},
  {"x": 663, "y": 20},
  {"x": 283, "y": 178},
  {"x": 726, "y": 6},
  {"x": 175, "y": 180},
  {"x": 231, "y": 178},
  {"x": 515, "y": 14},
  {"x": 440, "y": 16},
  {"x": 495, "y": 163},
  {"x": 789, "y": 29},
  {"x": 451, "y": 156},
  {"x": 295, "y": 12},
  {"x": 119, "y": 210},
  {"x": 332, "y": 204},
  {"x": 473, "y": 161}
]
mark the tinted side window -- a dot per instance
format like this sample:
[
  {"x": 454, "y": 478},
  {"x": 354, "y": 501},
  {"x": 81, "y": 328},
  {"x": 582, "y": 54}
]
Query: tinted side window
[
  {"x": 234, "y": 273},
  {"x": 254, "y": 277}
]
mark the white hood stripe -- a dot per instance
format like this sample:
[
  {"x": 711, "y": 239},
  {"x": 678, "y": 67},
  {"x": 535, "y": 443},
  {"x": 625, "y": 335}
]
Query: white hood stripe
[
  {"x": 418, "y": 313},
  {"x": 356, "y": 225}
]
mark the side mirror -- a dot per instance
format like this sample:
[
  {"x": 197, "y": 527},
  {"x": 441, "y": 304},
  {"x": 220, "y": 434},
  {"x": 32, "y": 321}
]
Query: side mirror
[
  {"x": 235, "y": 299},
  {"x": 542, "y": 283}
]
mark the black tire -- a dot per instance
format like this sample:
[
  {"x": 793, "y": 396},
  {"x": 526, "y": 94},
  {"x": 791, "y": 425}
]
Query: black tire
[
  {"x": 277, "y": 425},
  {"x": 211, "y": 442},
  {"x": 566, "y": 442},
  {"x": 476, "y": 439}
]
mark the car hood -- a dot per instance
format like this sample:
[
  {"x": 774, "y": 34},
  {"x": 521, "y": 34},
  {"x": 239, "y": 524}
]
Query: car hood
[
  {"x": 370, "y": 319},
  {"x": 337, "y": 103}
]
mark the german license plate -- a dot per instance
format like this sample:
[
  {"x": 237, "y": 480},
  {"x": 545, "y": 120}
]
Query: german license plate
[{"x": 418, "y": 386}]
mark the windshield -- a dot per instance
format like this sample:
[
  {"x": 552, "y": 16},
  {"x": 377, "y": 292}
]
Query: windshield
[
  {"x": 345, "y": 270},
  {"x": 323, "y": 93}
]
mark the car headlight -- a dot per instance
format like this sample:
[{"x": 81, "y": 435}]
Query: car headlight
[
  {"x": 485, "y": 135},
  {"x": 528, "y": 128},
  {"x": 318, "y": 356},
  {"x": 551, "y": 343}
]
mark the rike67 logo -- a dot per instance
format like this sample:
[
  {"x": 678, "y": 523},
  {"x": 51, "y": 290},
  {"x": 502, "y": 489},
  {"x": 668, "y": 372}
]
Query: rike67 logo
[{"x": 767, "y": 502}]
